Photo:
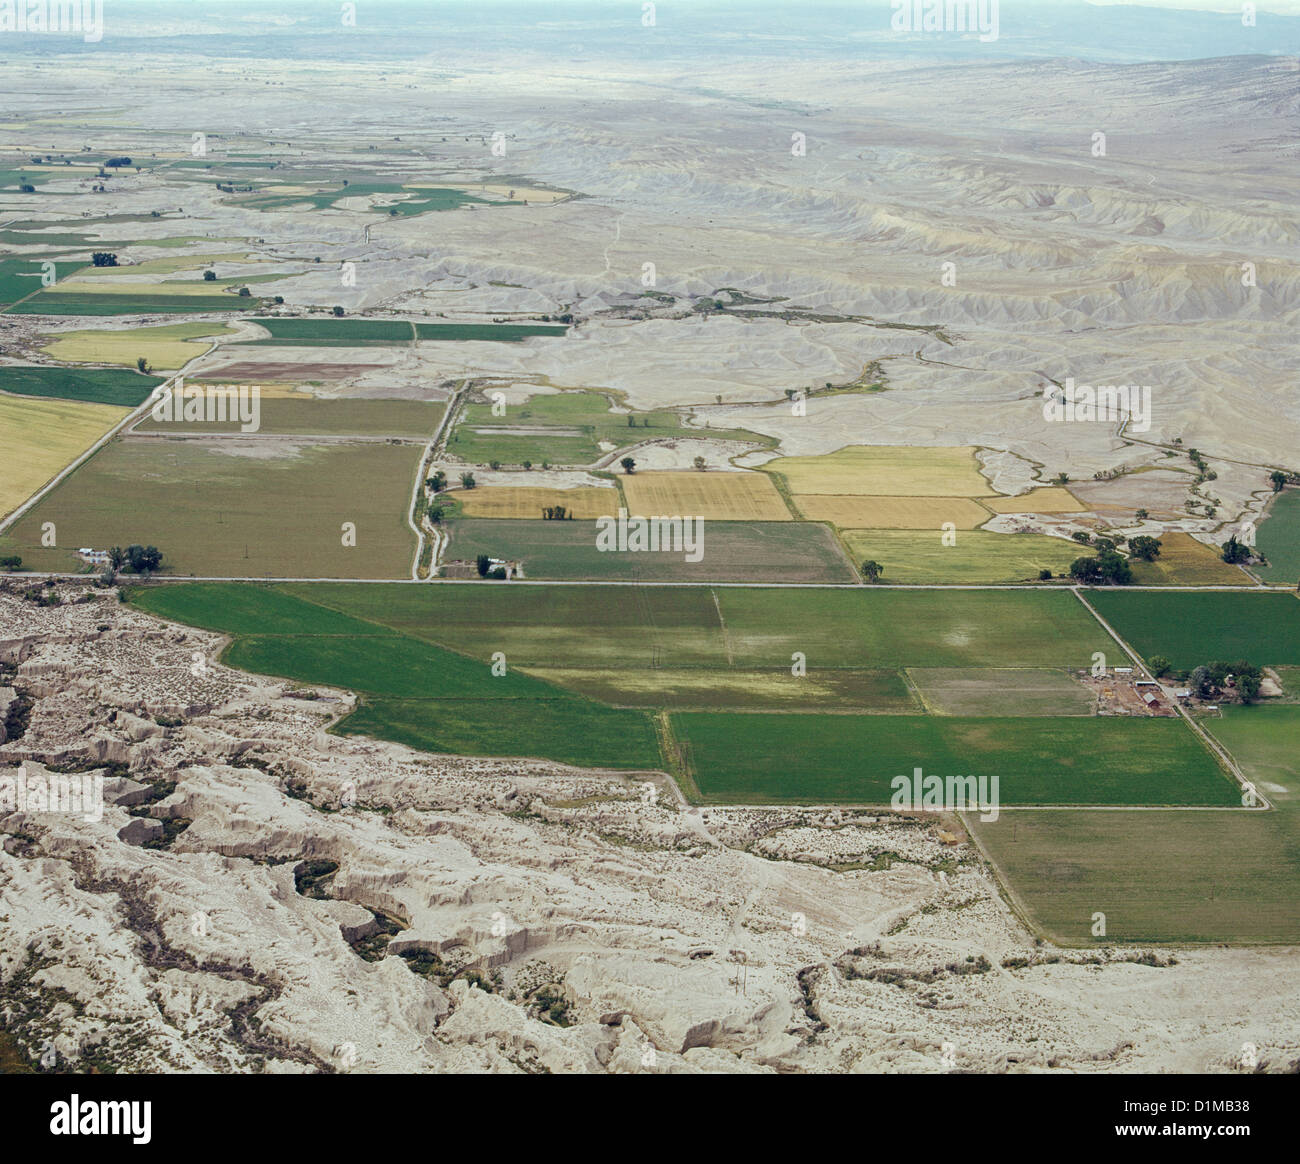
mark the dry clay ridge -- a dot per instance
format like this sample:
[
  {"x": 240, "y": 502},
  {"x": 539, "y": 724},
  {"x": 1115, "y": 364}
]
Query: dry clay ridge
[{"x": 667, "y": 939}]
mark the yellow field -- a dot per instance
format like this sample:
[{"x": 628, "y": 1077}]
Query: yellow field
[
  {"x": 979, "y": 556},
  {"x": 38, "y": 437},
  {"x": 168, "y": 346},
  {"x": 153, "y": 287},
  {"x": 716, "y": 496},
  {"x": 885, "y": 471},
  {"x": 168, "y": 265},
  {"x": 1048, "y": 499},
  {"x": 892, "y": 512},
  {"x": 270, "y": 389},
  {"x": 1184, "y": 561},
  {"x": 529, "y": 500}
]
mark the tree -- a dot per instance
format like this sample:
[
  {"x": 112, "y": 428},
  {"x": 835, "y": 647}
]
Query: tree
[
  {"x": 484, "y": 564},
  {"x": 1235, "y": 552},
  {"x": 1044, "y": 575},
  {"x": 27, "y": 188},
  {"x": 1201, "y": 683},
  {"x": 142, "y": 364},
  {"x": 1248, "y": 685},
  {"x": 1085, "y": 570},
  {"x": 245, "y": 293},
  {"x": 528, "y": 465},
  {"x": 103, "y": 259},
  {"x": 1159, "y": 665},
  {"x": 143, "y": 559},
  {"x": 11, "y": 562},
  {"x": 467, "y": 480},
  {"x": 1141, "y": 514},
  {"x": 699, "y": 464},
  {"x": 628, "y": 465},
  {"x": 1082, "y": 536},
  {"x": 1146, "y": 548},
  {"x": 1279, "y": 480},
  {"x": 1061, "y": 479},
  {"x": 209, "y": 276},
  {"x": 337, "y": 310},
  {"x": 1115, "y": 570},
  {"x": 435, "y": 513},
  {"x": 437, "y": 482},
  {"x": 494, "y": 464},
  {"x": 117, "y": 557},
  {"x": 871, "y": 570}
]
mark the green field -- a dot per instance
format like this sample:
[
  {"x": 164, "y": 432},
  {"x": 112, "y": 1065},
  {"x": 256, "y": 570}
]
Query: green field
[
  {"x": 1278, "y": 539},
  {"x": 1157, "y": 876},
  {"x": 902, "y": 628},
  {"x": 816, "y": 759},
  {"x": 1164, "y": 876},
  {"x": 297, "y": 415},
  {"x": 411, "y": 691},
  {"x": 977, "y": 557},
  {"x": 339, "y": 333},
  {"x": 734, "y": 551},
  {"x": 143, "y": 303},
  {"x": 119, "y": 386},
  {"x": 353, "y": 333},
  {"x": 580, "y": 422},
  {"x": 492, "y": 332},
  {"x": 260, "y": 514},
  {"x": 1190, "y": 629},
  {"x": 22, "y": 277},
  {"x": 31, "y": 238},
  {"x": 633, "y": 628}
]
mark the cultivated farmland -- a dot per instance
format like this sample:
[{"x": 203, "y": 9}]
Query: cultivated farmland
[
  {"x": 1184, "y": 561},
  {"x": 528, "y": 501},
  {"x": 38, "y": 438},
  {"x": 570, "y": 428},
  {"x": 164, "y": 346},
  {"x": 885, "y": 471},
  {"x": 713, "y": 496},
  {"x": 1001, "y": 691},
  {"x": 235, "y": 508},
  {"x": 301, "y": 414},
  {"x": 355, "y": 333},
  {"x": 1279, "y": 540},
  {"x": 910, "y": 513},
  {"x": 734, "y": 551},
  {"x": 1189, "y": 629},
  {"x": 413, "y": 691},
  {"x": 117, "y": 386},
  {"x": 977, "y": 556},
  {"x": 816, "y": 759}
]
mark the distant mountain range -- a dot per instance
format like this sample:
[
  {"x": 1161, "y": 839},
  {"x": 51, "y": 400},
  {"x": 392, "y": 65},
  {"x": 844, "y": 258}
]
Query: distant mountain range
[{"x": 589, "y": 30}]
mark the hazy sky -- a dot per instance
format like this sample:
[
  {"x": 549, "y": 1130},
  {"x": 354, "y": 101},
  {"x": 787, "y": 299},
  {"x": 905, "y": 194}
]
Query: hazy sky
[{"x": 1289, "y": 7}]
